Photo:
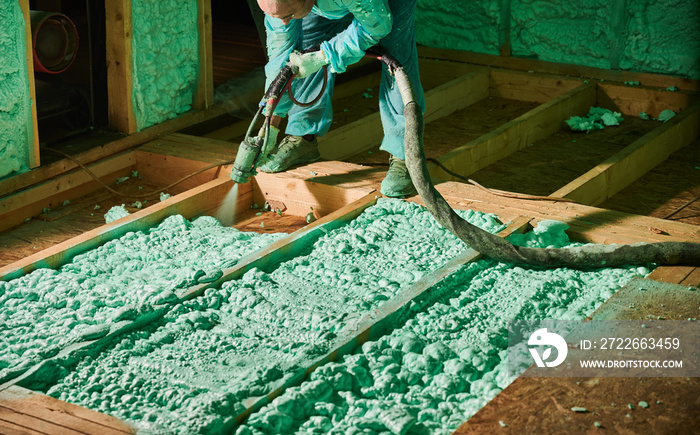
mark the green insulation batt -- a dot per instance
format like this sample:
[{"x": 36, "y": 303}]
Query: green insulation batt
[
  {"x": 458, "y": 25},
  {"x": 16, "y": 135},
  {"x": 165, "y": 59},
  {"x": 42, "y": 312},
  {"x": 193, "y": 371}
]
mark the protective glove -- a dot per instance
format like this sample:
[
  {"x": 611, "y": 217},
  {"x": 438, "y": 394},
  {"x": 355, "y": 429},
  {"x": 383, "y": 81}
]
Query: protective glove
[
  {"x": 271, "y": 142},
  {"x": 308, "y": 63}
]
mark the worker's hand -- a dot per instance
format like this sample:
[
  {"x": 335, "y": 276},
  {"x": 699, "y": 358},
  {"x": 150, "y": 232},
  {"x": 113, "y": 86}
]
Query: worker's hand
[
  {"x": 308, "y": 63},
  {"x": 272, "y": 140}
]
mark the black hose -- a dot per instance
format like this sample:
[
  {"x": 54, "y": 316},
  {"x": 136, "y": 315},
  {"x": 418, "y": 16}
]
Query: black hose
[{"x": 582, "y": 257}]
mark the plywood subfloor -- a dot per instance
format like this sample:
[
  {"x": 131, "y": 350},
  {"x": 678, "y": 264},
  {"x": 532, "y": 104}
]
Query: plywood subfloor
[
  {"x": 457, "y": 129},
  {"x": 549, "y": 164},
  {"x": 662, "y": 190},
  {"x": 71, "y": 220}
]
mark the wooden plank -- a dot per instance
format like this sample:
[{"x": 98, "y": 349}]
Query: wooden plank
[
  {"x": 693, "y": 278},
  {"x": 230, "y": 132},
  {"x": 631, "y": 100},
  {"x": 34, "y": 424},
  {"x": 673, "y": 275},
  {"x": 300, "y": 195},
  {"x": 529, "y": 86},
  {"x": 66, "y": 187},
  {"x": 34, "y": 159},
  {"x": 441, "y": 101},
  {"x": 573, "y": 70},
  {"x": 589, "y": 224},
  {"x": 621, "y": 169},
  {"x": 189, "y": 204},
  {"x": 7, "y": 428},
  {"x": 66, "y": 415},
  {"x": 204, "y": 94},
  {"x": 672, "y": 401},
  {"x": 536, "y": 124},
  {"x": 164, "y": 169},
  {"x": 119, "y": 65}
]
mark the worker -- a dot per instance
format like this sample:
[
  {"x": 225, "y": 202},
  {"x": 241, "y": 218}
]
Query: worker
[{"x": 344, "y": 29}]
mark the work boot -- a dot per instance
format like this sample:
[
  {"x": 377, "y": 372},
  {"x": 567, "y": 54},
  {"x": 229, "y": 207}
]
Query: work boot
[
  {"x": 397, "y": 182},
  {"x": 293, "y": 150}
]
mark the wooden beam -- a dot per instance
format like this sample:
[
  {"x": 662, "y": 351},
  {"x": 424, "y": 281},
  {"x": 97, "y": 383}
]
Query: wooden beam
[
  {"x": 587, "y": 224},
  {"x": 529, "y": 86},
  {"x": 34, "y": 154},
  {"x": 300, "y": 196},
  {"x": 631, "y": 100},
  {"x": 15, "y": 208},
  {"x": 204, "y": 94},
  {"x": 367, "y": 132},
  {"x": 37, "y": 409},
  {"x": 515, "y": 135},
  {"x": 189, "y": 204},
  {"x": 119, "y": 31},
  {"x": 655, "y": 80},
  {"x": 635, "y": 160}
]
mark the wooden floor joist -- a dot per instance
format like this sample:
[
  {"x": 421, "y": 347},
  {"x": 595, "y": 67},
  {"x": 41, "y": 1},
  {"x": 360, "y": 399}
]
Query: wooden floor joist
[
  {"x": 617, "y": 172},
  {"x": 514, "y": 135},
  {"x": 441, "y": 101}
]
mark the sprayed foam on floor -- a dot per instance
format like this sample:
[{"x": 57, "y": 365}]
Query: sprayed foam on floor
[
  {"x": 210, "y": 355},
  {"x": 195, "y": 369},
  {"x": 448, "y": 360},
  {"x": 41, "y": 312}
]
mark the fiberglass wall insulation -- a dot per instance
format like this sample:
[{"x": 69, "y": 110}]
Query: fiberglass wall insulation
[
  {"x": 638, "y": 35},
  {"x": 15, "y": 105},
  {"x": 165, "y": 59}
]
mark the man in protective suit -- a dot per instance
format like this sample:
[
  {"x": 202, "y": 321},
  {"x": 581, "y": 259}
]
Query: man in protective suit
[{"x": 343, "y": 29}]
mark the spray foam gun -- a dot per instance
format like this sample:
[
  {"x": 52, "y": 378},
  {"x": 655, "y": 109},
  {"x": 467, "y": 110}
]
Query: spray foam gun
[{"x": 252, "y": 149}]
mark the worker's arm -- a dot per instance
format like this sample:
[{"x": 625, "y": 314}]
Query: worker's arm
[{"x": 372, "y": 22}]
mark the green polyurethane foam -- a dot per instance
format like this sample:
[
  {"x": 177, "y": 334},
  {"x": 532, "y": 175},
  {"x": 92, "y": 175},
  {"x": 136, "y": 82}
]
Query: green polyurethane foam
[
  {"x": 448, "y": 360},
  {"x": 597, "y": 119},
  {"x": 657, "y": 37},
  {"x": 16, "y": 135},
  {"x": 42, "y": 312},
  {"x": 198, "y": 367},
  {"x": 165, "y": 59}
]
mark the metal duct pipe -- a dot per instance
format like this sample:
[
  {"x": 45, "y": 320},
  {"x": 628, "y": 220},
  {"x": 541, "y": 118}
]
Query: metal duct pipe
[{"x": 54, "y": 41}]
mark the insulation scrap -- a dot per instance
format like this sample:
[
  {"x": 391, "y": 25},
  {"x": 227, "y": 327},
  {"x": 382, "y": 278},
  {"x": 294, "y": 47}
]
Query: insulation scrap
[{"x": 597, "y": 119}]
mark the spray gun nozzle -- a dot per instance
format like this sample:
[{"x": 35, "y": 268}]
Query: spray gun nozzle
[{"x": 246, "y": 159}]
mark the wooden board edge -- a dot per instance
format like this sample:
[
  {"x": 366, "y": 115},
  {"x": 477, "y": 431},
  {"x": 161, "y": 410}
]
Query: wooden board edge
[
  {"x": 564, "y": 69},
  {"x": 440, "y": 101},
  {"x": 204, "y": 94},
  {"x": 626, "y": 166},
  {"x": 119, "y": 32},
  {"x": 189, "y": 204},
  {"x": 534, "y": 125},
  {"x": 34, "y": 155}
]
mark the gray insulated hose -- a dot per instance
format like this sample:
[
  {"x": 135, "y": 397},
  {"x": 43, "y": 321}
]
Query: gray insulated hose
[{"x": 582, "y": 257}]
